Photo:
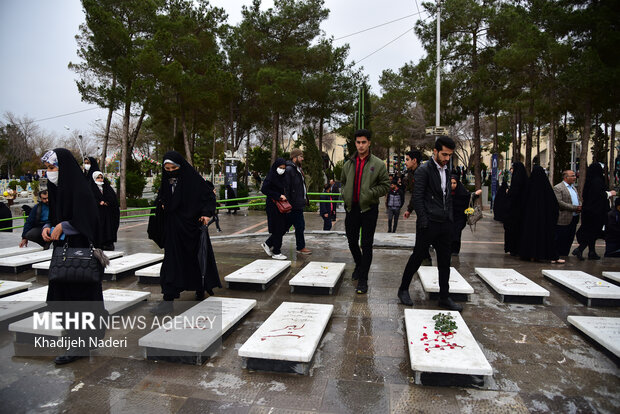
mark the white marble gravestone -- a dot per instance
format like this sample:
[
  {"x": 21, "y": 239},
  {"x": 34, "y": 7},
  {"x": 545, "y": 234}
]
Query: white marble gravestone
[
  {"x": 604, "y": 330},
  {"x": 258, "y": 274},
  {"x": 16, "y": 250},
  {"x": 20, "y": 303},
  {"x": 193, "y": 339},
  {"x": 287, "y": 340},
  {"x": 114, "y": 301},
  {"x": 125, "y": 265},
  {"x": 323, "y": 275},
  {"x": 8, "y": 287},
  {"x": 613, "y": 276},
  {"x": 149, "y": 274},
  {"x": 591, "y": 290},
  {"x": 431, "y": 352},
  {"x": 510, "y": 284},
  {"x": 400, "y": 240},
  {"x": 16, "y": 264},
  {"x": 42, "y": 268},
  {"x": 460, "y": 289}
]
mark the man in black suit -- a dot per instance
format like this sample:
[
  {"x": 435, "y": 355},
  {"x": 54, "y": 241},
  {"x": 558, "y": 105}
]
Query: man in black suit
[{"x": 433, "y": 206}]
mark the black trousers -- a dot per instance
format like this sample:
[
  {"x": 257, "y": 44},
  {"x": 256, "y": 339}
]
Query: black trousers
[
  {"x": 367, "y": 222},
  {"x": 439, "y": 235},
  {"x": 564, "y": 236}
]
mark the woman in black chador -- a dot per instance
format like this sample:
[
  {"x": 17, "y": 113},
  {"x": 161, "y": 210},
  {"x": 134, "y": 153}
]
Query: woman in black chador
[
  {"x": 73, "y": 216},
  {"x": 499, "y": 204},
  {"x": 273, "y": 188},
  {"x": 188, "y": 202},
  {"x": 593, "y": 212},
  {"x": 109, "y": 212},
  {"x": 540, "y": 216},
  {"x": 90, "y": 166},
  {"x": 460, "y": 202},
  {"x": 514, "y": 209}
]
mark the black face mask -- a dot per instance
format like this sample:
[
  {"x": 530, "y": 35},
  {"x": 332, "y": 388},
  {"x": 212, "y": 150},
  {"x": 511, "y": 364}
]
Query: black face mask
[{"x": 174, "y": 174}]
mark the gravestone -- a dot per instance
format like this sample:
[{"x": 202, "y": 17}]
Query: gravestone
[
  {"x": 398, "y": 240},
  {"x": 460, "y": 289},
  {"x": 11, "y": 287},
  {"x": 591, "y": 290},
  {"x": 114, "y": 301},
  {"x": 603, "y": 330},
  {"x": 317, "y": 277},
  {"x": 20, "y": 303},
  {"x": 444, "y": 358},
  {"x": 42, "y": 268},
  {"x": 194, "y": 339},
  {"x": 16, "y": 250},
  {"x": 512, "y": 286},
  {"x": 258, "y": 275},
  {"x": 612, "y": 276},
  {"x": 149, "y": 274},
  {"x": 124, "y": 266},
  {"x": 287, "y": 340},
  {"x": 19, "y": 263}
]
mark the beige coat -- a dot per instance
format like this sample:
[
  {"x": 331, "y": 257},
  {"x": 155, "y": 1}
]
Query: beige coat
[{"x": 566, "y": 204}]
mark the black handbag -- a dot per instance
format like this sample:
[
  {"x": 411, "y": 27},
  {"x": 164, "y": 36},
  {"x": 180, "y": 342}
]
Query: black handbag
[{"x": 75, "y": 265}]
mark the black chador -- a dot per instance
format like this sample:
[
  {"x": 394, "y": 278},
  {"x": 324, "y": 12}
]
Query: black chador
[
  {"x": 94, "y": 166},
  {"x": 499, "y": 204},
  {"x": 514, "y": 209},
  {"x": 185, "y": 197},
  {"x": 540, "y": 216},
  {"x": 109, "y": 212},
  {"x": 594, "y": 210}
]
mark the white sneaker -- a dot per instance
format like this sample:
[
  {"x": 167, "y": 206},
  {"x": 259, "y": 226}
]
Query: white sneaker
[
  {"x": 278, "y": 256},
  {"x": 267, "y": 249}
]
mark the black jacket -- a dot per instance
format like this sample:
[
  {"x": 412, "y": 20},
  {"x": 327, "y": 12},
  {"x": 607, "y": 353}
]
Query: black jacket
[
  {"x": 429, "y": 201},
  {"x": 294, "y": 187},
  {"x": 400, "y": 192}
]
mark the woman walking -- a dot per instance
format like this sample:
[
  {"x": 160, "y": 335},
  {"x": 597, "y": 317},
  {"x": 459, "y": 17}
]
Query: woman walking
[
  {"x": 273, "y": 188},
  {"x": 109, "y": 212}
]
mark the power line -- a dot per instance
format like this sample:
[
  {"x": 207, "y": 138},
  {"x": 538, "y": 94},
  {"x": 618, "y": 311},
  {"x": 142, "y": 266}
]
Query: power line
[
  {"x": 384, "y": 46},
  {"x": 380, "y": 25},
  {"x": 58, "y": 116}
]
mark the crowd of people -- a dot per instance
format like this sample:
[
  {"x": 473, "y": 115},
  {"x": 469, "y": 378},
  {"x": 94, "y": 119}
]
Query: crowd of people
[{"x": 79, "y": 208}]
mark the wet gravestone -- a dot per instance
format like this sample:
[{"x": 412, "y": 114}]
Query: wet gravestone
[
  {"x": 512, "y": 286},
  {"x": 16, "y": 250},
  {"x": 603, "y": 330},
  {"x": 21, "y": 303},
  {"x": 317, "y": 277},
  {"x": 287, "y": 340},
  {"x": 19, "y": 263},
  {"x": 11, "y": 287},
  {"x": 589, "y": 289},
  {"x": 258, "y": 275},
  {"x": 613, "y": 276},
  {"x": 124, "y": 266},
  {"x": 460, "y": 289},
  {"x": 149, "y": 274}
]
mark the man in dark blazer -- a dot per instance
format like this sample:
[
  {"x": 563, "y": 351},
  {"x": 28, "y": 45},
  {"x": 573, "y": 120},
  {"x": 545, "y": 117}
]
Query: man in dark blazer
[
  {"x": 433, "y": 206},
  {"x": 570, "y": 207}
]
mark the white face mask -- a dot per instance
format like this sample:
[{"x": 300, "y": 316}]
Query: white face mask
[
  {"x": 87, "y": 167},
  {"x": 99, "y": 183},
  {"x": 52, "y": 176},
  {"x": 280, "y": 170}
]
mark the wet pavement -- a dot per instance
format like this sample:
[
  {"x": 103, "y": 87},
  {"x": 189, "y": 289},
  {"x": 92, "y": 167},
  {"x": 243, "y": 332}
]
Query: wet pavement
[{"x": 540, "y": 363}]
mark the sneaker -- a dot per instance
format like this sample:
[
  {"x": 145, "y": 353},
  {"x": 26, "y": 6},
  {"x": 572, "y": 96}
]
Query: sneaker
[
  {"x": 278, "y": 256},
  {"x": 305, "y": 250},
  {"x": 362, "y": 287},
  {"x": 267, "y": 249},
  {"x": 450, "y": 304}
]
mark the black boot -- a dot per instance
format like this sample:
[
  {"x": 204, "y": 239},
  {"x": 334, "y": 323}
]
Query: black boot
[
  {"x": 404, "y": 297},
  {"x": 593, "y": 256},
  {"x": 449, "y": 304},
  {"x": 577, "y": 252}
]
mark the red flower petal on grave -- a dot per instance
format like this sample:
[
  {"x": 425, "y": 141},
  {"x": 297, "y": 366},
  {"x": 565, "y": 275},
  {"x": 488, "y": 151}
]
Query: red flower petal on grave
[
  {"x": 443, "y": 340},
  {"x": 441, "y": 349},
  {"x": 426, "y": 344},
  {"x": 426, "y": 349},
  {"x": 421, "y": 339},
  {"x": 411, "y": 342},
  {"x": 436, "y": 346},
  {"x": 424, "y": 327},
  {"x": 436, "y": 340},
  {"x": 436, "y": 332},
  {"x": 451, "y": 347}
]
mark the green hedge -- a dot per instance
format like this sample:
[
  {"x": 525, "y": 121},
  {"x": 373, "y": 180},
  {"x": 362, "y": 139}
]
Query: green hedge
[{"x": 138, "y": 202}]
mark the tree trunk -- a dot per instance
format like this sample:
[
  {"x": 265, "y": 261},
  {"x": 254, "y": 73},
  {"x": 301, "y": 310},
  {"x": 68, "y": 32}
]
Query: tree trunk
[
  {"x": 514, "y": 139},
  {"x": 495, "y": 136},
  {"x": 528, "y": 137},
  {"x": 136, "y": 131},
  {"x": 108, "y": 125},
  {"x": 519, "y": 134},
  {"x": 274, "y": 141},
  {"x": 551, "y": 150},
  {"x": 538, "y": 144},
  {"x": 123, "y": 170},
  {"x": 188, "y": 152},
  {"x": 321, "y": 136},
  {"x": 585, "y": 141},
  {"x": 612, "y": 160}
]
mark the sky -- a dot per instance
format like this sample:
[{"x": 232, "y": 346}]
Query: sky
[{"x": 37, "y": 41}]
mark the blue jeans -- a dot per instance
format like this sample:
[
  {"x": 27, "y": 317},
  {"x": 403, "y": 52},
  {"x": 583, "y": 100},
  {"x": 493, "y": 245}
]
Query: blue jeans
[{"x": 296, "y": 218}]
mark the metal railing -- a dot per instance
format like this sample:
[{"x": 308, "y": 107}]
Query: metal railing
[{"x": 224, "y": 207}]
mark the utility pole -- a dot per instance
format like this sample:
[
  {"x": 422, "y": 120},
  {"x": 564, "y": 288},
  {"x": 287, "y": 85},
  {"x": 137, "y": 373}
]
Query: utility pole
[{"x": 438, "y": 81}]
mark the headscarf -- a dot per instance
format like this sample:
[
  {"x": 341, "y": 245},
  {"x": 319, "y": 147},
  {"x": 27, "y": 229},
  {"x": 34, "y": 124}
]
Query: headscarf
[
  {"x": 71, "y": 199},
  {"x": 273, "y": 175},
  {"x": 188, "y": 188},
  {"x": 97, "y": 174},
  {"x": 94, "y": 166},
  {"x": 50, "y": 157},
  {"x": 518, "y": 185}
]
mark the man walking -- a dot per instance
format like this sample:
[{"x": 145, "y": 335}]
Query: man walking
[
  {"x": 393, "y": 202},
  {"x": 295, "y": 191},
  {"x": 413, "y": 159},
  {"x": 38, "y": 217},
  {"x": 570, "y": 207},
  {"x": 364, "y": 180},
  {"x": 433, "y": 206}
]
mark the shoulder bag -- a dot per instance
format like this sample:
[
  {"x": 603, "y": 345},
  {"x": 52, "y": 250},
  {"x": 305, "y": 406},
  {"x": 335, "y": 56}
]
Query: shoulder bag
[
  {"x": 76, "y": 265},
  {"x": 473, "y": 213},
  {"x": 283, "y": 206}
]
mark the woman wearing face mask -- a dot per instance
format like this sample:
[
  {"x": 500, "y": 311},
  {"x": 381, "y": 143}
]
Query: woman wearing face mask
[
  {"x": 90, "y": 165},
  {"x": 273, "y": 188},
  {"x": 109, "y": 213},
  {"x": 73, "y": 216},
  {"x": 460, "y": 202},
  {"x": 188, "y": 201}
]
